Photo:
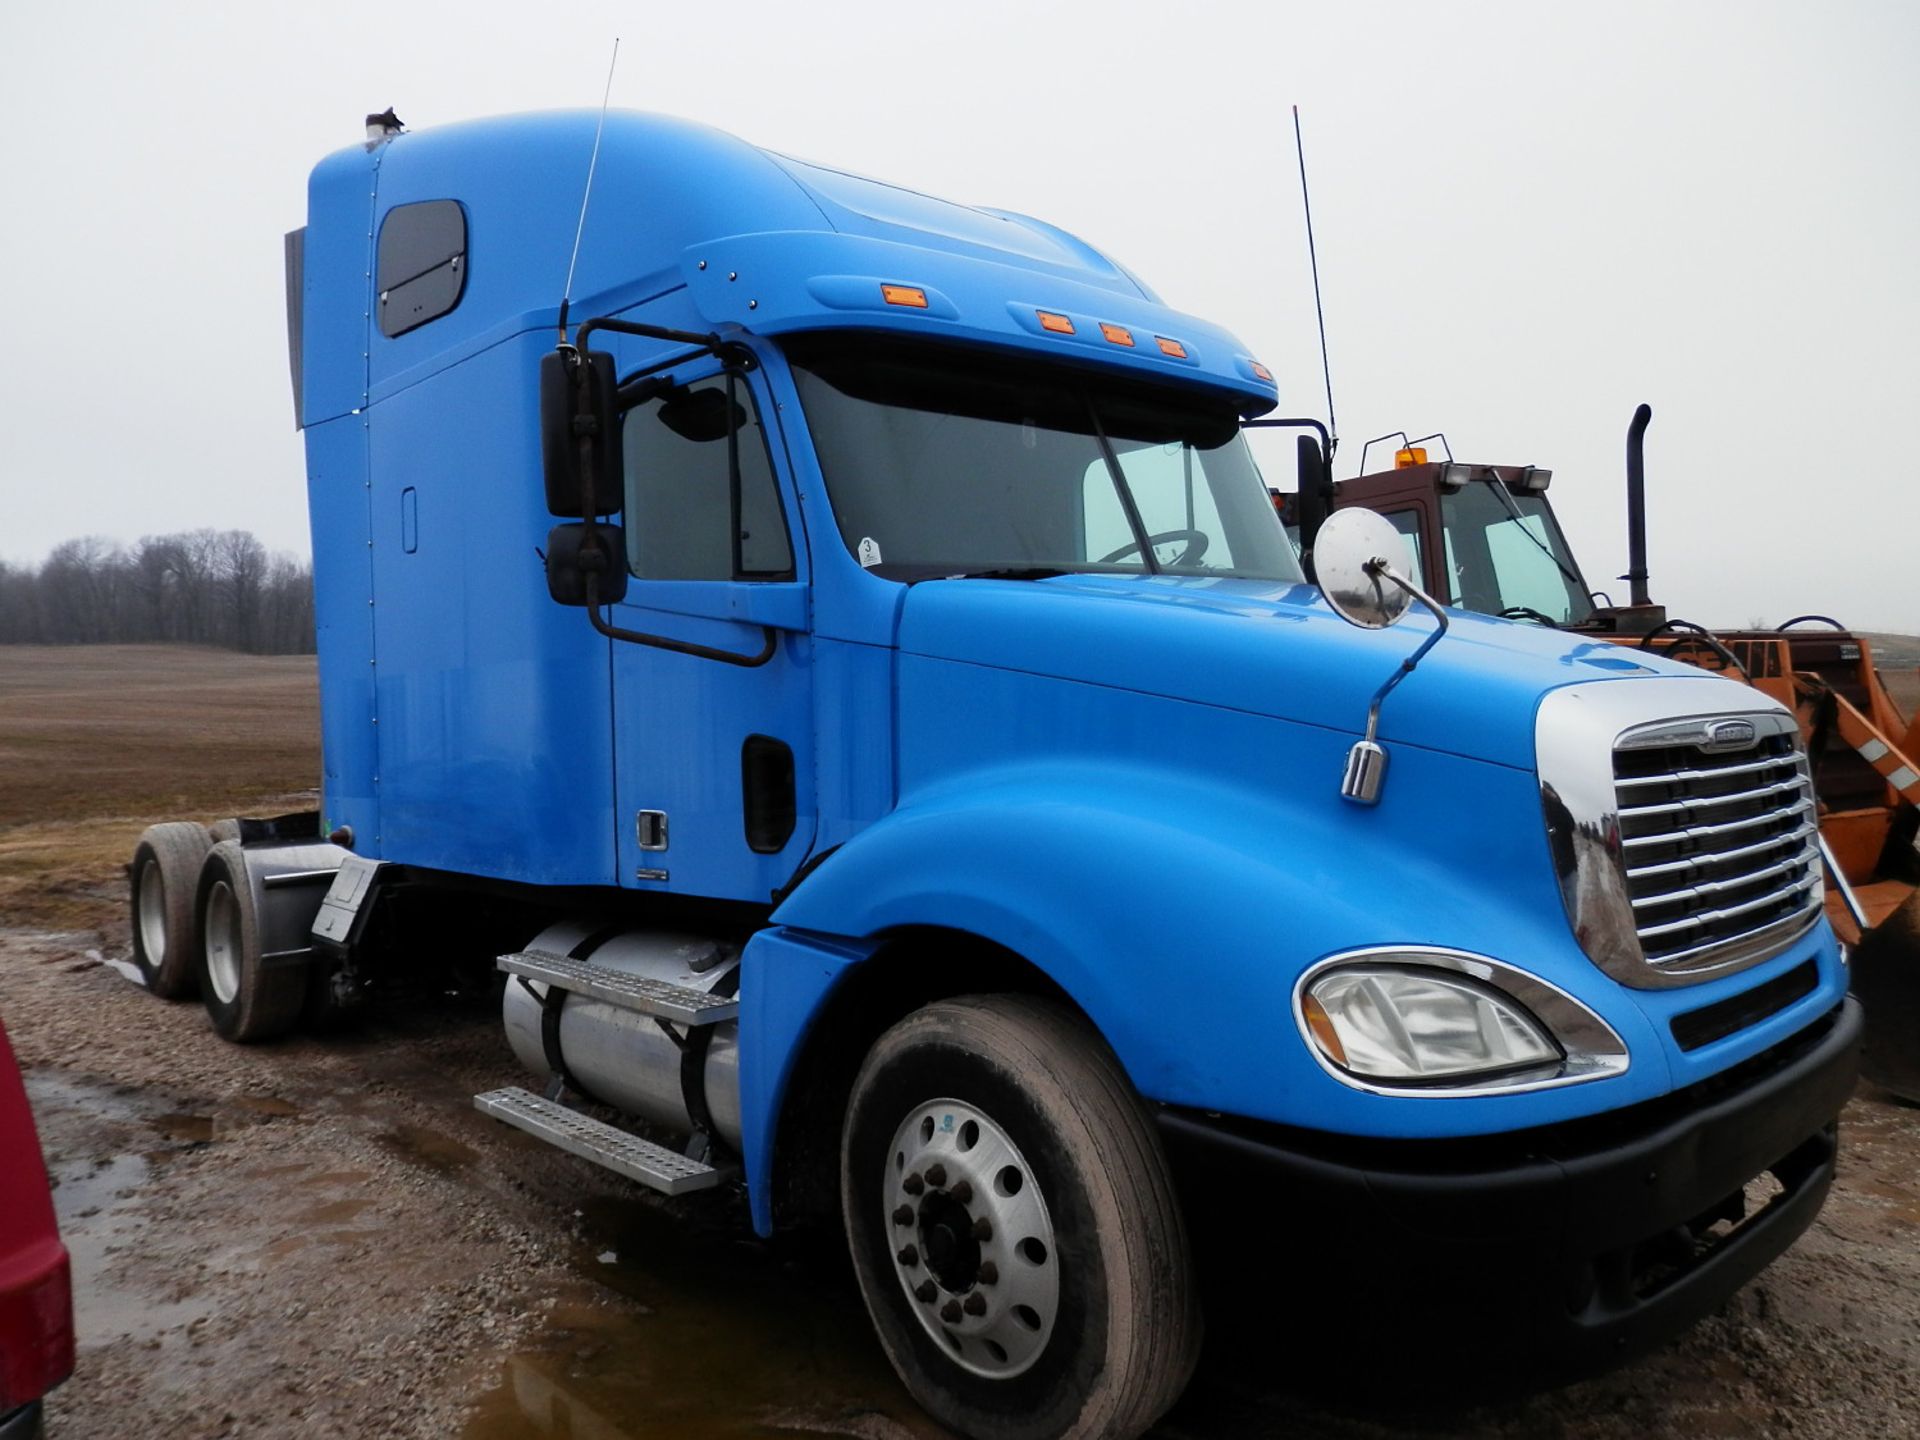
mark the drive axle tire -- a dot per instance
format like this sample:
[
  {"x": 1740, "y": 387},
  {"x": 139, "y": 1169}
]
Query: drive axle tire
[
  {"x": 246, "y": 999},
  {"x": 165, "y": 870},
  {"x": 1013, "y": 1225}
]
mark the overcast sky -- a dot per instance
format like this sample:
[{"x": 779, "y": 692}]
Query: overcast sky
[{"x": 1530, "y": 217}]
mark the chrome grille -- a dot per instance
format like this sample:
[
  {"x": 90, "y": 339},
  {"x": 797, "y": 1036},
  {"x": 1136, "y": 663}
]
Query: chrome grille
[{"x": 1720, "y": 845}]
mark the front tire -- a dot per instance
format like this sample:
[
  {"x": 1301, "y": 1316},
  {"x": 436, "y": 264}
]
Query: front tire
[
  {"x": 1013, "y": 1225},
  {"x": 246, "y": 999},
  {"x": 165, "y": 870}
]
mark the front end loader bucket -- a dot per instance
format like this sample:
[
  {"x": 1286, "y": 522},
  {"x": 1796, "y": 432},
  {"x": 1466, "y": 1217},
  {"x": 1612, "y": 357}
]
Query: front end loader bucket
[{"x": 1886, "y": 977}]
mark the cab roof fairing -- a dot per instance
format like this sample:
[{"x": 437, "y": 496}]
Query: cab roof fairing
[
  {"x": 779, "y": 284},
  {"x": 667, "y": 192}
]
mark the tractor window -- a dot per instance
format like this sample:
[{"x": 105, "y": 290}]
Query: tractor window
[
  {"x": 678, "y": 510},
  {"x": 1407, "y": 522},
  {"x": 1507, "y": 554}
]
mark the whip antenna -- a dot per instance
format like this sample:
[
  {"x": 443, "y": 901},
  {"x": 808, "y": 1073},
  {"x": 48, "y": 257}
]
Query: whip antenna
[
  {"x": 566, "y": 292},
  {"x": 1333, "y": 427}
]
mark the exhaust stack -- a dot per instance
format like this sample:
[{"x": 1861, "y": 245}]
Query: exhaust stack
[{"x": 1636, "y": 576}]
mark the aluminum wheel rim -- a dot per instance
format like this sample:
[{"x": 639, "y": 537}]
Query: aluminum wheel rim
[
  {"x": 223, "y": 942},
  {"x": 153, "y": 914},
  {"x": 972, "y": 1241}
]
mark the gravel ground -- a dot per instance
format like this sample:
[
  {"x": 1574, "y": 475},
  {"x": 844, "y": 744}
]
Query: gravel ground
[{"x": 321, "y": 1238}]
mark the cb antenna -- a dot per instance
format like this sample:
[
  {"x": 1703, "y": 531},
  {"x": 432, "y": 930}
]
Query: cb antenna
[
  {"x": 566, "y": 292},
  {"x": 1326, "y": 373}
]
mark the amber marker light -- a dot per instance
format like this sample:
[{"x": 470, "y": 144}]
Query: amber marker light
[
  {"x": 1170, "y": 347},
  {"x": 1412, "y": 455},
  {"x": 1059, "y": 324},
  {"x": 910, "y": 295},
  {"x": 1322, "y": 1027},
  {"x": 1262, "y": 372},
  {"x": 1117, "y": 334}
]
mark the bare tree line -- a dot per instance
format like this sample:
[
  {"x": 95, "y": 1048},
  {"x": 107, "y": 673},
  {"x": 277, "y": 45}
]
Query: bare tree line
[{"x": 198, "y": 587}]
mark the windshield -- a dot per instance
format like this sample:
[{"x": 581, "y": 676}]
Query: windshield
[
  {"x": 1506, "y": 554},
  {"x": 952, "y": 462}
]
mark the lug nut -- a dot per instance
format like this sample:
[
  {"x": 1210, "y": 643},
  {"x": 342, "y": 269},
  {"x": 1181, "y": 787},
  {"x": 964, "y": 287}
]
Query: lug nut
[
  {"x": 936, "y": 1175},
  {"x": 925, "y": 1291},
  {"x": 982, "y": 1230},
  {"x": 913, "y": 1184},
  {"x": 989, "y": 1273},
  {"x": 975, "y": 1304},
  {"x": 909, "y": 1256},
  {"x": 950, "y": 1312},
  {"x": 904, "y": 1215},
  {"x": 963, "y": 1192}
]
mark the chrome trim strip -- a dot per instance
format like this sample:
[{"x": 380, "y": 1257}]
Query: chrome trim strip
[
  {"x": 1707, "y": 802},
  {"x": 1699, "y": 832},
  {"x": 1729, "y": 912},
  {"x": 1594, "y": 1051},
  {"x": 1720, "y": 887},
  {"x": 1772, "y": 762},
  {"x": 1694, "y": 862},
  {"x": 1766, "y": 942},
  {"x": 1577, "y": 731}
]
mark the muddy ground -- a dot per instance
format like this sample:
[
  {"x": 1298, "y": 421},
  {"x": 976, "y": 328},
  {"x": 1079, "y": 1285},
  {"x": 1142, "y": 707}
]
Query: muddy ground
[{"x": 321, "y": 1238}]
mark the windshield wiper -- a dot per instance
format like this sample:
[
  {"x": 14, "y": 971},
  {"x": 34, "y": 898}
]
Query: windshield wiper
[{"x": 1500, "y": 489}]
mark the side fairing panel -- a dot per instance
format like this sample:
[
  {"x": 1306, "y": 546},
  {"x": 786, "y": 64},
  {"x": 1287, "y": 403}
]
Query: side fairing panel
[
  {"x": 334, "y": 268},
  {"x": 343, "y": 621},
  {"x": 493, "y": 704}
]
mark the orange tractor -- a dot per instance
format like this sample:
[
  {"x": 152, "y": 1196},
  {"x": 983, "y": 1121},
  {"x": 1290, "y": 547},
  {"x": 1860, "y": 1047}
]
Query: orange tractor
[{"x": 1485, "y": 538}]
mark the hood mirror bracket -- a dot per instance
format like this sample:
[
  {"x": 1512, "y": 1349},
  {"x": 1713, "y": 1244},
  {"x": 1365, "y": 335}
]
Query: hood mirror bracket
[{"x": 1364, "y": 589}]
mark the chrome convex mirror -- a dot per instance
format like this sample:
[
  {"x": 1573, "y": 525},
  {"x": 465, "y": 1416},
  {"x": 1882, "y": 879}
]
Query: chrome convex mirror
[{"x": 1354, "y": 561}]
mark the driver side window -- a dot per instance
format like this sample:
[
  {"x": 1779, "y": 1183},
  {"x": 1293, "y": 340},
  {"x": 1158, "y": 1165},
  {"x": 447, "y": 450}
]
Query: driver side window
[{"x": 678, "y": 508}]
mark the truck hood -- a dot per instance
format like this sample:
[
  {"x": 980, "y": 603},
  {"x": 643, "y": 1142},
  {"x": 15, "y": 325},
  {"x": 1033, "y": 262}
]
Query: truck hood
[{"x": 1271, "y": 649}]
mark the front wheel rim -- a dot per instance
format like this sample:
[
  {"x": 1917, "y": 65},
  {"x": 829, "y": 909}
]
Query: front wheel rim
[
  {"x": 972, "y": 1240},
  {"x": 223, "y": 942},
  {"x": 151, "y": 890}
]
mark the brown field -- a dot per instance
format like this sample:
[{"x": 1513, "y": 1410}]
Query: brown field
[
  {"x": 97, "y": 742},
  {"x": 320, "y": 1238}
]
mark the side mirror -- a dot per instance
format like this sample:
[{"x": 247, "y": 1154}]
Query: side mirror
[
  {"x": 1315, "y": 500},
  {"x": 561, "y": 423},
  {"x": 1356, "y": 556},
  {"x": 571, "y": 557},
  {"x": 1355, "y": 549}
]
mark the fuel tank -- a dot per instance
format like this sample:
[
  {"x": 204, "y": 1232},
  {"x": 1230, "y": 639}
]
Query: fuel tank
[{"x": 622, "y": 1057}]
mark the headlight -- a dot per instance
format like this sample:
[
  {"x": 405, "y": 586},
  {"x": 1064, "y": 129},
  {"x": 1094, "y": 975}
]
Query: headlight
[{"x": 1413, "y": 1024}]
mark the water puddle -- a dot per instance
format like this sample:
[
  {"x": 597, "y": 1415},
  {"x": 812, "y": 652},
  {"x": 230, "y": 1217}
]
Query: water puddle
[
  {"x": 99, "y": 1207},
  {"x": 434, "y": 1149},
  {"x": 694, "y": 1330}
]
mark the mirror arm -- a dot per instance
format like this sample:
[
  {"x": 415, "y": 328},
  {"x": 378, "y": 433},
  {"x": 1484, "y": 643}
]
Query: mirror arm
[
  {"x": 703, "y": 343},
  {"x": 1367, "y": 761},
  {"x": 770, "y": 641}
]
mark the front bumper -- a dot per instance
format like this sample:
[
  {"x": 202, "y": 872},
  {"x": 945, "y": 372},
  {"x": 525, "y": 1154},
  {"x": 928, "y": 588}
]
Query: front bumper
[
  {"x": 26, "y": 1423},
  {"x": 1532, "y": 1257}
]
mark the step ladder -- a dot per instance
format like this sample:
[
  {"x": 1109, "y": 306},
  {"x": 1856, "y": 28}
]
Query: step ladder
[
  {"x": 616, "y": 987},
  {"x": 655, "y": 1166}
]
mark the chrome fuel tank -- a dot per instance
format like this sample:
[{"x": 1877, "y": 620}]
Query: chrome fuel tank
[{"x": 621, "y": 1056}]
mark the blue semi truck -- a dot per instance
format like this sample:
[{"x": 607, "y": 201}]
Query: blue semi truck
[{"x": 856, "y": 688}]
